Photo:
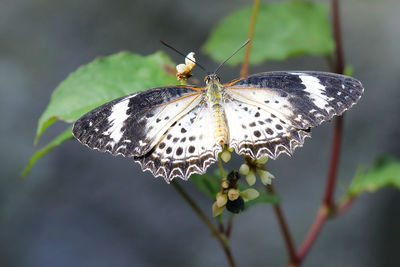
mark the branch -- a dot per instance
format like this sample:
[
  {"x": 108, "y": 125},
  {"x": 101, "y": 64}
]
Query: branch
[
  {"x": 221, "y": 237},
  {"x": 284, "y": 227},
  {"x": 327, "y": 207},
  {"x": 245, "y": 65}
]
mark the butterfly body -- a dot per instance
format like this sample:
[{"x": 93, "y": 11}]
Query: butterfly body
[
  {"x": 175, "y": 131},
  {"x": 215, "y": 95}
]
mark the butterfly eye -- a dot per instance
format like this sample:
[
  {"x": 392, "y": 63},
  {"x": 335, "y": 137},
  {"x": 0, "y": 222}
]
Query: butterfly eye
[{"x": 207, "y": 79}]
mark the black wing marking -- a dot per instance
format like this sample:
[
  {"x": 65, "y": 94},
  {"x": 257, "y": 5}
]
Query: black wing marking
[
  {"x": 131, "y": 125},
  {"x": 304, "y": 98}
]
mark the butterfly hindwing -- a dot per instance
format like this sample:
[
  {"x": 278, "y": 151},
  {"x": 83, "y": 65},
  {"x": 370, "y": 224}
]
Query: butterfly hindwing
[
  {"x": 258, "y": 132},
  {"x": 132, "y": 125},
  {"x": 188, "y": 146}
]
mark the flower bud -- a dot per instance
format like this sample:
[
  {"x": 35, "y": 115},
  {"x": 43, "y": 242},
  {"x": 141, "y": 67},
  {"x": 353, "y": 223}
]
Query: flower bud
[
  {"x": 221, "y": 200},
  {"x": 225, "y": 184},
  {"x": 265, "y": 177},
  {"x": 188, "y": 62},
  {"x": 249, "y": 194},
  {"x": 226, "y": 156},
  {"x": 181, "y": 68},
  {"x": 244, "y": 169},
  {"x": 217, "y": 210},
  {"x": 251, "y": 178},
  {"x": 233, "y": 194}
]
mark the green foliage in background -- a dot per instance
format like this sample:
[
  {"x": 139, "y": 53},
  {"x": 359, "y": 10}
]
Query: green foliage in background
[
  {"x": 283, "y": 29},
  {"x": 98, "y": 82},
  {"x": 384, "y": 172}
]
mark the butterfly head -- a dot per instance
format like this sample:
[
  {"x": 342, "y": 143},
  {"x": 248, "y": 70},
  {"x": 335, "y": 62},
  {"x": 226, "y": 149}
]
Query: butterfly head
[{"x": 211, "y": 78}]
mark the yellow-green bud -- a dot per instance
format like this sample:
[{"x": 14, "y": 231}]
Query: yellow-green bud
[
  {"x": 217, "y": 210},
  {"x": 221, "y": 200},
  {"x": 225, "y": 183},
  {"x": 251, "y": 178},
  {"x": 244, "y": 169},
  {"x": 233, "y": 194},
  {"x": 249, "y": 194},
  {"x": 226, "y": 156},
  {"x": 265, "y": 177}
]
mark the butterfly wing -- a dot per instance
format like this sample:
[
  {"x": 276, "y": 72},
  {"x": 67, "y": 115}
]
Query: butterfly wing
[
  {"x": 187, "y": 147},
  {"x": 133, "y": 125},
  {"x": 270, "y": 113}
]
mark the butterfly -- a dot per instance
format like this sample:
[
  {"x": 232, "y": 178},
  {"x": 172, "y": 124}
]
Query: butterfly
[{"x": 175, "y": 131}]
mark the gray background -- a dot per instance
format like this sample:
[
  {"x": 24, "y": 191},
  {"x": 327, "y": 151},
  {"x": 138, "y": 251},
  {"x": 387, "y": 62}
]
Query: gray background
[{"x": 84, "y": 208}]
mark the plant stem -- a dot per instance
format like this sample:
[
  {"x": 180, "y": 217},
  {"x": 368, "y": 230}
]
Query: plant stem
[
  {"x": 344, "y": 206},
  {"x": 334, "y": 163},
  {"x": 229, "y": 226},
  {"x": 327, "y": 206},
  {"x": 284, "y": 227},
  {"x": 245, "y": 65},
  {"x": 220, "y": 236},
  {"x": 338, "y": 36},
  {"x": 312, "y": 234},
  {"x": 221, "y": 168}
]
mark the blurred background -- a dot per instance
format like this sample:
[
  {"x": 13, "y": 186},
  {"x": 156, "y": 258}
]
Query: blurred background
[{"x": 84, "y": 208}]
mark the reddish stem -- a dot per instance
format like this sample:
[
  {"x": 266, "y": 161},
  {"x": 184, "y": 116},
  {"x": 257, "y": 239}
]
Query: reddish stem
[
  {"x": 337, "y": 33},
  {"x": 312, "y": 234},
  {"x": 334, "y": 163},
  {"x": 342, "y": 208},
  {"x": 327, "y": 206}
]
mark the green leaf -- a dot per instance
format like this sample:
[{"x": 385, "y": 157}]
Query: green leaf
[
  {"x": 103, "y": 80},
  {"x": 209, "y": 183},
  {"x": 384, "y": 172},
  {"x": 282, "y": 30},
  {"x": 67, "y": 134}
]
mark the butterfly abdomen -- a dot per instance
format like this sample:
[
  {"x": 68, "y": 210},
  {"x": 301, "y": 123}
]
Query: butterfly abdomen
[{"x": 220, "y": 125}]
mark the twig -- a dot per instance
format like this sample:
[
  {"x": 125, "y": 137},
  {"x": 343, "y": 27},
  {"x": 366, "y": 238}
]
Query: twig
[
  {"x": 312, "y": 234},
  {"x": 344, "y": 206},
  {"x": 245, "y": 65},
  {"x": 327, "y": 207},
  {"x": 284, "y": 227},
  {"x": 229, "y": 226},
  {"x": 337, "y": 33},
  {"x": 221, "y": 168},
  {"x": 334, "y": 163},
  {"x": 220, "y": 236}
]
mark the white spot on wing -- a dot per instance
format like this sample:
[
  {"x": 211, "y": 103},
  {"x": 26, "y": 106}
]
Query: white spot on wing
[
  {"x": 314, "y": 87},
  {"x": 116, "y": 119}
]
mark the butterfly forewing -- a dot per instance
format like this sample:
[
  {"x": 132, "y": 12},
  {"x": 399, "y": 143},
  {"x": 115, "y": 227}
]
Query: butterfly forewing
[
  {"x": 132, "y": 125},
  {"x": 308, "y": 98},
  {"x": 270, "y": 113}
]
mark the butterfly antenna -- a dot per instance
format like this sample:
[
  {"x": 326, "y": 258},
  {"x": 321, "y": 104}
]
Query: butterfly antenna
[
  {"x": 234, "y": 53},
  {"x": 180, "y": 53}
]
